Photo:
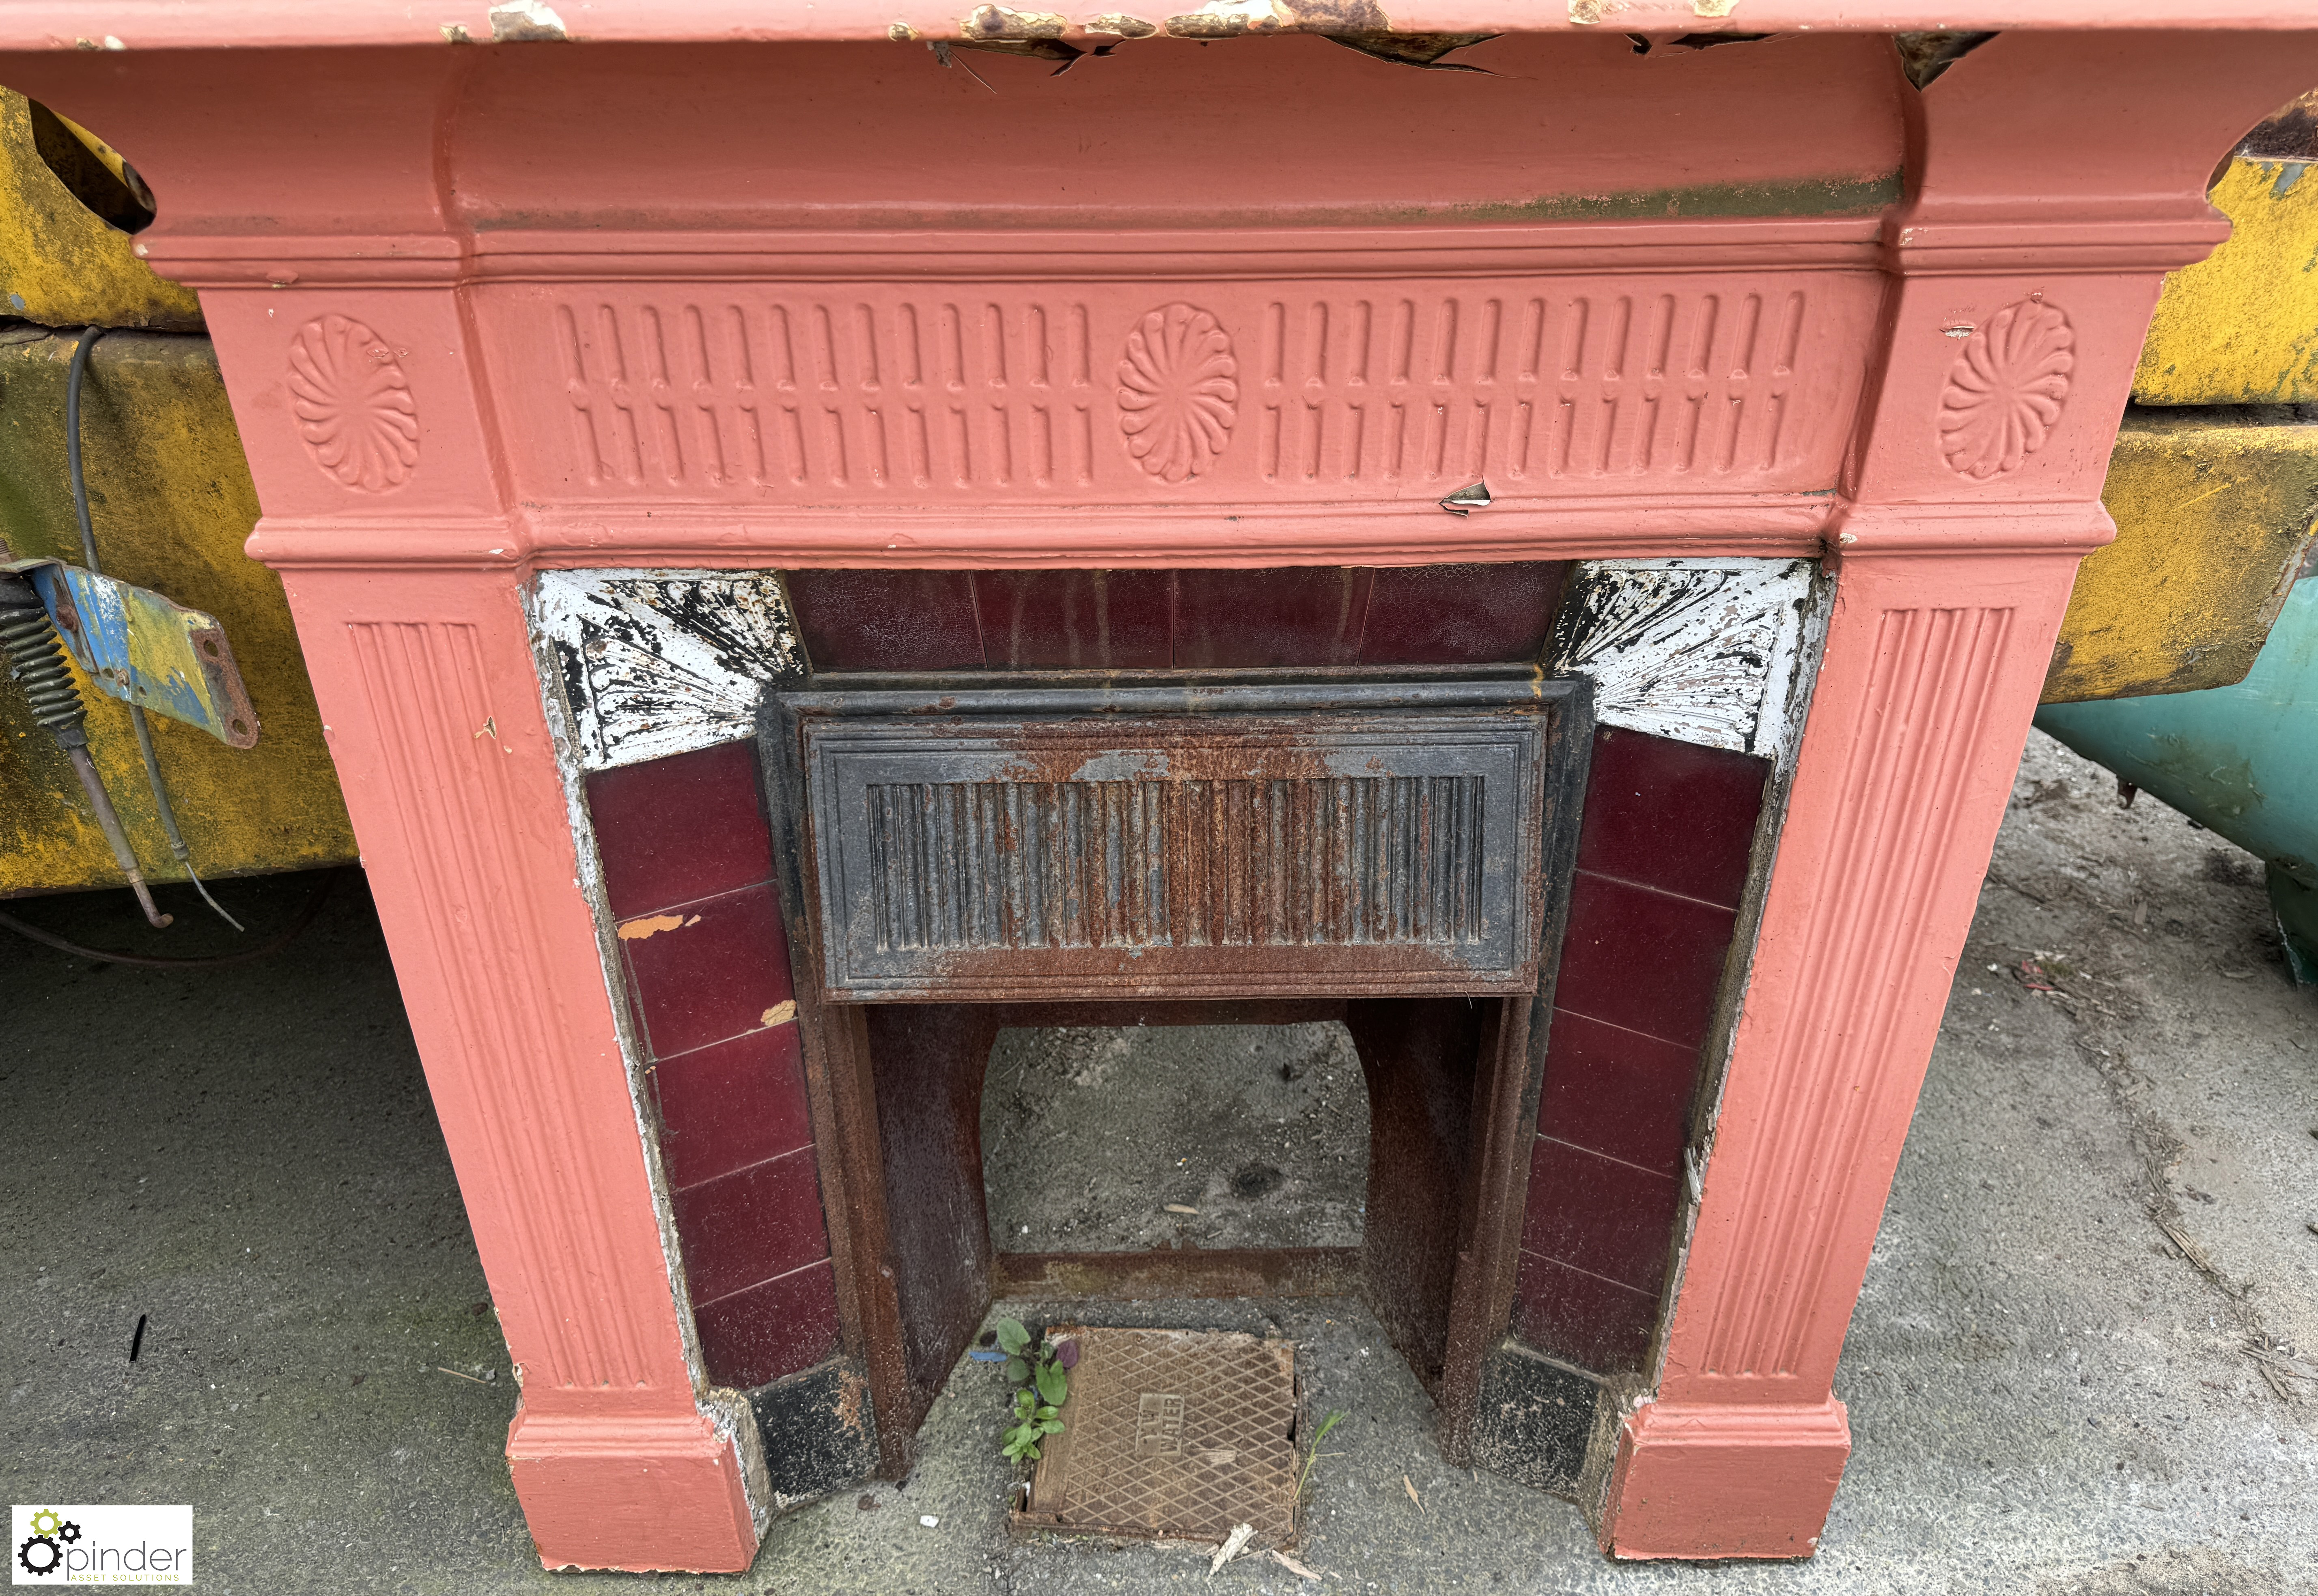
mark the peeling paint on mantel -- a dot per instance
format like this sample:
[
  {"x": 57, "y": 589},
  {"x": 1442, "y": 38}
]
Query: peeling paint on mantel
[
  {"x": 661, "y": 662},
  {"x": 1701, "y": 650}
]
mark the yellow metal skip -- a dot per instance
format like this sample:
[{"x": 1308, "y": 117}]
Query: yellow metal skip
[
  {"x": 172, "y": 501},
  {"x": 2241, "y": 327},
  {"x": 2213, "y": 510},
  {"x": 60, "y": 264},
  {"x": 2213, "y": 481}
]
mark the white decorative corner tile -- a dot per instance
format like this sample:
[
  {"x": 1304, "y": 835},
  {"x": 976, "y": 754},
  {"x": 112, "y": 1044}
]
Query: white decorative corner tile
[
  {"x": 1703, "y": 650},
  {"x": 661, "y": 662}
]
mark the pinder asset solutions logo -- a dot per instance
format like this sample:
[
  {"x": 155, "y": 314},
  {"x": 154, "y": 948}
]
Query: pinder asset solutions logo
[{"x": 103, "y": 1546}]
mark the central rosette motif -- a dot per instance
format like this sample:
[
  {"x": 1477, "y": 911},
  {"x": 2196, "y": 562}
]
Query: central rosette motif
[{"x": 1178, "y": 391}]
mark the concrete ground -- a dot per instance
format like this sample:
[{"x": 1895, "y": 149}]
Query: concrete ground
[{"x": 2071, "y": 1373}]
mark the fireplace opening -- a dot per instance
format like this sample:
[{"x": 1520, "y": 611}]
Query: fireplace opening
[
  {"x": 1362, "y": 866},
  {"x": 1134, "y": 1138}
]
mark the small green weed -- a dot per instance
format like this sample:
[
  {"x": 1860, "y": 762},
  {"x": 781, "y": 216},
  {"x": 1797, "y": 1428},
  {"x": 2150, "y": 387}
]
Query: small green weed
[
  {"x": 1042, "y": 1373},
  {"x": 1313, "y": 1456}
]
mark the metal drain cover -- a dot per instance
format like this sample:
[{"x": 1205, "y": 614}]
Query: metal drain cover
[{"x": 1176, "y": 1433}]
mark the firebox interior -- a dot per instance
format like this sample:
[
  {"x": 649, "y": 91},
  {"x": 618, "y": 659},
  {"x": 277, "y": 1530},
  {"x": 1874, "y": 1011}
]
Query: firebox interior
[{"x": 1125, "y": 1139}]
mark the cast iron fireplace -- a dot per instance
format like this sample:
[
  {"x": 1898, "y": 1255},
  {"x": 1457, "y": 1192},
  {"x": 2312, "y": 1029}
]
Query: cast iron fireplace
[
  {"x": 949, "y": 830},
  {"x": 1381, "y": 848}
]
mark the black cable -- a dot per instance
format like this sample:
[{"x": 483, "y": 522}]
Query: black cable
[
  {"x": 168, "y": 814},
  {"x": 305, "y": 917},
  {"x": 88, "y": 338}
]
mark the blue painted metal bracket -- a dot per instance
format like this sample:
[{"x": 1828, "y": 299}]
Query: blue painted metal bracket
[{"x": 144, "y": 648}]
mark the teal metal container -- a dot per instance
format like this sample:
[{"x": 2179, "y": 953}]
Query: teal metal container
[{"x": 2241, "y": 761}]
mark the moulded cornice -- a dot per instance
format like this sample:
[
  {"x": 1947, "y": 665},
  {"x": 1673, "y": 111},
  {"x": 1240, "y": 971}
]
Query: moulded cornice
[
  {"x": 383, "y": 542},
  {"x": 1663, "y": 527},
  {"x": 1255, "y": 535},
  {"x": 1918, "y": 244},
  {"x": 2073, "y": 527},
  {"x": 1047, "y": 254},
  {"x": 285, "y": 260},
  {"x": 209, "y": 260},
  {"x": 1949, "y": 243}
]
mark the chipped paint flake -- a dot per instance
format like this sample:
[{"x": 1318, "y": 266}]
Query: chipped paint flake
[
  {"x": 999, "y": 22},
  {"x": 657, "y": 663},
  {"x": 1222, "y": 19},
  {"x": 1123, "y": 25},
  {"x": 780, "y": 1013},
  {"x": 1712, "y": 8},
  {"x": 1701, "y": 650},
  {"x": 525, "y": 21},
  {"x": 637, "y": 930},
  {"x": 1229, "y": 19}
]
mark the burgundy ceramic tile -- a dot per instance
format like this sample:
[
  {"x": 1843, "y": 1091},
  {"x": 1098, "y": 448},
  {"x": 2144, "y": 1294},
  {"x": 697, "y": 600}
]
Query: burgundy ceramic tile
[
  {"x": 1582, "y": 1318},
  {"x": 707, "y": 970},
  {"x": 1617, "y": 1091},
  {"x": 887, "y": 620},
  {"x": 730, "y": 1105},
  {"x": 1641, "y": 959},
  {"x": 689, "y": 826},
  {"x": 1460, "y": 615},
  {"x": 1295, "y": 615},
  {"x": 1671, "y": 814},
  {"x": 756, "y": 1336},
  {"x": 750, "y": 1225},
  {"x": 1075, "y": 619},
  {"x": 1598, "y": 1215}
]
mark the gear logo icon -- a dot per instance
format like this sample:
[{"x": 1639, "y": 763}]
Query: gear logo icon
[{"x": 42, "y": 1552}]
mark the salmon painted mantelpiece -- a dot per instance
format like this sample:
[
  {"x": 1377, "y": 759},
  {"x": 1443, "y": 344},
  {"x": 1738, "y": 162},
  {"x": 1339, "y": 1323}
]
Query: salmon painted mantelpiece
[{"x": 1770, "y": 388}]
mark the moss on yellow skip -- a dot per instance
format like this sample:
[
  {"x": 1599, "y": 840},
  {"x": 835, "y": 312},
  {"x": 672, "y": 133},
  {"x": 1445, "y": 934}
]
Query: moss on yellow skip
[
  {"x": 2213, "y": 510},
  {"x": 62, "y": 265},
  {"x": 172, "y": 501},
  {"x": 2241, "y": 327}
]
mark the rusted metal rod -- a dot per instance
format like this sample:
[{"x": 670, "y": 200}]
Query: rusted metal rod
[{"x": 109, "y": 823}]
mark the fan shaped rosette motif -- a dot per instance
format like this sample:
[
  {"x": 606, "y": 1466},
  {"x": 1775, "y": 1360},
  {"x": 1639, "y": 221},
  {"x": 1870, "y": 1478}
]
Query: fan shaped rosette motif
[
  {"x": 1178, "y": 392},
  {"x": 2006, "y": 389},
  {"x": 353, "y": 404}
]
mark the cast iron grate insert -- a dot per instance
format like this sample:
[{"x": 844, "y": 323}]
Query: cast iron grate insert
[{"x": 1180, "y": 1434}]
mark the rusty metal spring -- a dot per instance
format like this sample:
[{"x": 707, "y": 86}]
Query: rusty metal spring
[{"x": 37, "y": 655}]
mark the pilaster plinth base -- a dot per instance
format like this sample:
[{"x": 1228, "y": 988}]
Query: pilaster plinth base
[
  {"x": 1701, "y": 1481},
  {"x": 630, "y": 1491}
]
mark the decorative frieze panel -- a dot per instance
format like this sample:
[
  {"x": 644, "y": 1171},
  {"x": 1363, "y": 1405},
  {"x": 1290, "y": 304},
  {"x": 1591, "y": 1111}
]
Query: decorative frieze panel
[{"x": 1056, "y": 393}]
